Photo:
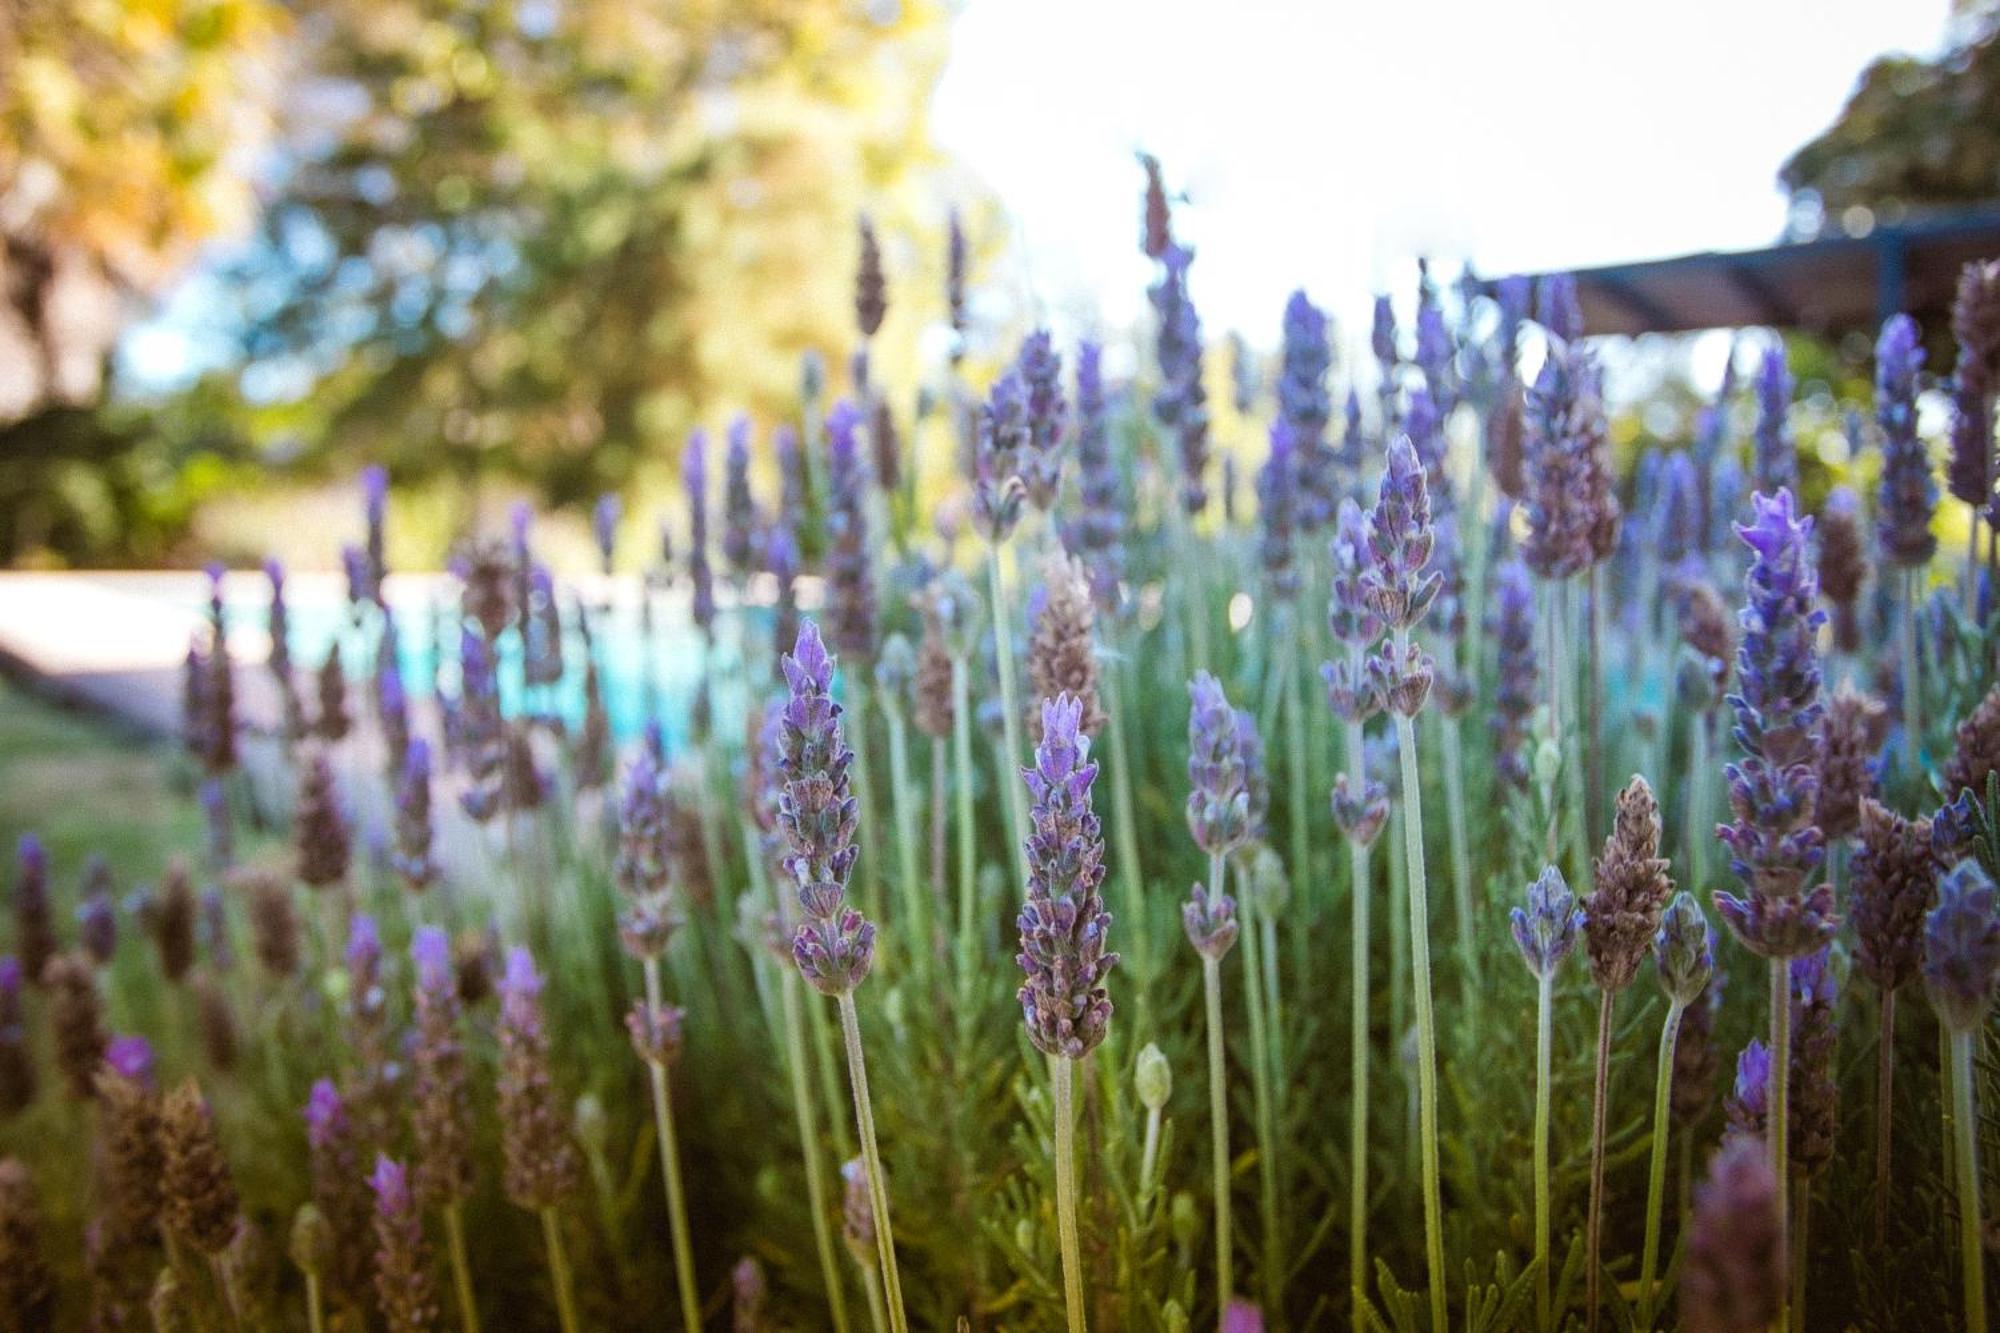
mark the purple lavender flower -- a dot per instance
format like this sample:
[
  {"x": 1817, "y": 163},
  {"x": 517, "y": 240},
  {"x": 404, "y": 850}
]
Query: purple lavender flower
[
  {"x": 18, "y": 1079},
  {"x": 441, "y": 1100},
  {"x": 1557, "y": 307},
  {"x": 835, "y": 944},
  {"x": 392, "y": 701},
  {"x": 1095, "y": 534},
  {"x": 643, "y": 866},
  {"x": 739, "y": 507},
  {"x": 850, "y": 603},
  {"x": 1400, "y": 538},
  {"x": 1210, "y": 922},
  {"x": 1277, "y": 499},
  {"x": 1218, "y": 803},
  {"x": 132, "y": 1059},
  {"x": 479, "y": 731},
  {"x": 1726, "y": 487},
  {"x": 1359, "y": 809},
  {"x": 97, "y": 914},
  {"x": 333, "y": 1147},
  {"x": 412, "y": 854},
  {"x": 1000, "y": 450},
  {"x": 1382, "y": 341},
  {"x": 540, "y": 1160},
  {"x": 1681, "y": 521},
  {"x": 1040, "y": 368},
  {"x": 1734, "y": 1275},
  {"x": 403, "y": 1286},
  {"x": 1435, "y": 357},
  {"x": 1572, "y": 512},
  {"x": 1684, "y": 950},
  {"x": 34, "y": 930},
  {"x": 1749, "y": 1101},
  {"x": 604, "y": 518},
  {"x": 1775, "y": 456},
  {"x": 374, "y": 510},
  {"x": 1545, "y": 931},
  {"x": 1063, "y": 923},
  {"x": 694, "y": 481},
  {"x": 542, "y": 645},
  {"x": 794, "y": 486},
  {"x": 1350, "y": 615},
  {"x": 1908, "y": 494},
  {"x": 1516, "y": 691},
  {"x": 1812, "y": 1105},
  {"x": 1305, "y": 408},
  {"x": 1774, "y": 844},
  {"x": 1181, "y": 403},
  {"x": 1962, "y": 947},
  {"x": 958, "y": 264}
]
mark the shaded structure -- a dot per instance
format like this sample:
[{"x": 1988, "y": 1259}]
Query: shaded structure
[{"x": 1831, "y": 285}]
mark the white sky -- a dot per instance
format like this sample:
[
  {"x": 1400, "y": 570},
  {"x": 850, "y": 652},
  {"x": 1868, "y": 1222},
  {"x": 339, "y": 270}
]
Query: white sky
[{"x": 1327, "y": 144}]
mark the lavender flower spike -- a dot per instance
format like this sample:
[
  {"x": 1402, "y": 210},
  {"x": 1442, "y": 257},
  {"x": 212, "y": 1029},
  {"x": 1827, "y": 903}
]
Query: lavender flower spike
[
  {"x": 604, "y": 519},
  {"x": 1516, "y": 694},
  {"x": 1218, "y": 803},
  {"x": 1399, "y": 541},
  {"x": 1776, "y": 458},
  {"x": 1040, "y": 369},
  {"x": 412, "y": 853},
  {"x": 1909, "y": 494},
  {"x": 441, "y": 1107},
  {"x": 851, "y": 605},
  {"x": 1545, "y": 931},
  {"x": 1003, "y": 436},
  {"x": 835, "y": 944},
  {"x": 540, "y": 1160},
  {"x": 1774, "y": 844},
  {"x": 1684, "y": 950},
  {"x": 1063, "y": 924},
  {"x": 1210, "y": 921},
  {"x": 1735, "y": 1268},
  {"x": 403, "y": 1287},
  {"x": 1962, "y": 947},
  {"x": 694, "y": 480}
]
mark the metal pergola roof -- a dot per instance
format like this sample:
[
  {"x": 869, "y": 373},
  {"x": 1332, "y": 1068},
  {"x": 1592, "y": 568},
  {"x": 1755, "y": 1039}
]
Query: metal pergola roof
[{"x": 1827, "y": 286}]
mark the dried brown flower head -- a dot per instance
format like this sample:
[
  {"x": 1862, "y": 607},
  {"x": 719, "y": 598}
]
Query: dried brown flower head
[
  {"x": 1062, "y": 657},
  {"x": 1622, "y": 914},
  {"x": 201, "y": 1203}
]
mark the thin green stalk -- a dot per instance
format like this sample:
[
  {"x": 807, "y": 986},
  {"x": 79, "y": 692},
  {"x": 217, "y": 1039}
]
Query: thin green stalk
[
  {"x": 1060, "y": 1074},
  {"x": 461, "y": 1273},
  {"x": 1913, "y": 703},
  {"x": 1195, "y": 588},
  {"x": 1594, "y": 1230},
  {"x": 903, "y": 810},
  {"x": 1358, "y": 888},
  {"x": 1149, "y": 1156},
  {"x": 1698, "y": 836},
  {"x": 871, "y": 1282},
  {"x": 802, "y": 1109},
  {"x": 1218, "y": 1116},
  {"x": 1971, "y": 1256},
  {"x": 871, "y": 1160},
  {"x": 1544, "y": 1039},
  {"x": 1593, "y": 693},
  {"x": 867, "y": 867},
  {"x": 1571, "y": 736},
  {"x": 1656, "y": 1176},
  {"x": 1274, "y": 1009},
  {"x": 559, "y": 1273},
  {"x": 829, "y": 1078},
  {"x": 315, "y": 1305},
  {"x": 1461, "y": 856},
  {"x": 968, "y": 866},
  {"x": 1125, "y": 830},
  {"x": 1798, "y": 1251},
  {"x": 1776, "y": 1120},
  {"x": 1885, "y": 1074},
  {"x": 1010, "y": 707},
  {"x": 1270, "y": 1269},
  {"x": 1420, "y": 961},
  {"x": 670, "y": 1167},
  {"x": 1303, "y": 879}
]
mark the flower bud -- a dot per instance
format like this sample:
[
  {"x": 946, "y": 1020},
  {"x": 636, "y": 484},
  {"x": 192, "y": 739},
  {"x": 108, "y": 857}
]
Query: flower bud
[{"x": 1155, "y": 1078}]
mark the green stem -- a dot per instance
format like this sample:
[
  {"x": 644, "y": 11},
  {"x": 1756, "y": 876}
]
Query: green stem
[
  {"x": 461, "y": 1272},
  {"x": 1420, "y": 981},
  {"x": 1656, "y": 1176},
  {"x": 315, "y": 1305},
  {"x": 1301, "y": 783},
  {"x": 1125, "y": 829},
  {"x": 1544, "y": 1039},
  {"x": 868, "y": 864},
  {"x": 902, "y": 808},
  {"x": 1776, "y": 1124},
  {"x": 1149, "y": 1156},
  {"x": 1572, "y": 739},
  {"x": 670, "y": 1166},
  {"x": 1913, "y": 704},
  {"x": 1698, "y": 837},
  {"x": 1461, "y": 857},
  {"x": 1010, "y": 706},
  {"x": 1885, "y": 1073},
  {"x": 1270, "y": 1267},
  {"x": 1061, "y": 1070},
  {"x": 1971, "y": 1256},
  {"x": 871, "y": 1160},
  {"x": 968, "y": 865},
  {"x": 1218, "y": 1117},
  {"x": 802, "y": 1109},
  {"x": 1594, "y": 1230},
  {"x": 559, "y": 1271},
  {"x": 1358, "y": 888}
]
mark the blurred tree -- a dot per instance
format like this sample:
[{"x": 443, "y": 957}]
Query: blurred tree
[
  {"x": 126, "y": 132},
  {"x": 545, "y": 239},
  {"x": 1914, "y": 133}
]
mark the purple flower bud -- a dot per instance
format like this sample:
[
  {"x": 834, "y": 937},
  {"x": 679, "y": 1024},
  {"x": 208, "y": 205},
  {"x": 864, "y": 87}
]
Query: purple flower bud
[
  {"x": 1305, "y": 408},
  {"x": 694, "y": 482},
  {"x": 1908, "y": 493},
  {"x": 1516, "y": 692},
  {"x": 1748, "y": 1105},
  {"x": 1557, "y": 307},
  {"x": 1218, "y": 803},
  {"x": 1684, "y": 950},
  {"x": 1681, "y": 521},
  {"x": 1210, "y": 922},
  {"x": 1733, "y": 1278},
  {"x": 655, "y": 1031},
  {"x": 1360, "y": 810},
  {"x": 131, "y": 1058},
  {"x": 1181, "y": 403},
  {"x": 1962, "y": 947},
  {"x": 1382, "y": 339},
  {"x": 1776, "y": 457},
  {"x": 850, "y": 603},
  {"x": 835, "y": 944},
  {"x": 1349, "y": 613},
  {"x": 1041, "y": 372},
  {"x": 1000, "y": 449},
  {"x": 1277, "y": 497},
  {"x": 540, "y": 1160},
  {"x": 412, "y": 854},
  {"x": 1545, "y": 931},
  {"x": 739, "y": 507},
  {"x": 1400, "y": 538},
  {"x": 1095, "y": 534}
]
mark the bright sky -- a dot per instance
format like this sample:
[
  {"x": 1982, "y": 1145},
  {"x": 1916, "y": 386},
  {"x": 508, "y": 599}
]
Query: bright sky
[{"x": 1327, "y": 144}]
